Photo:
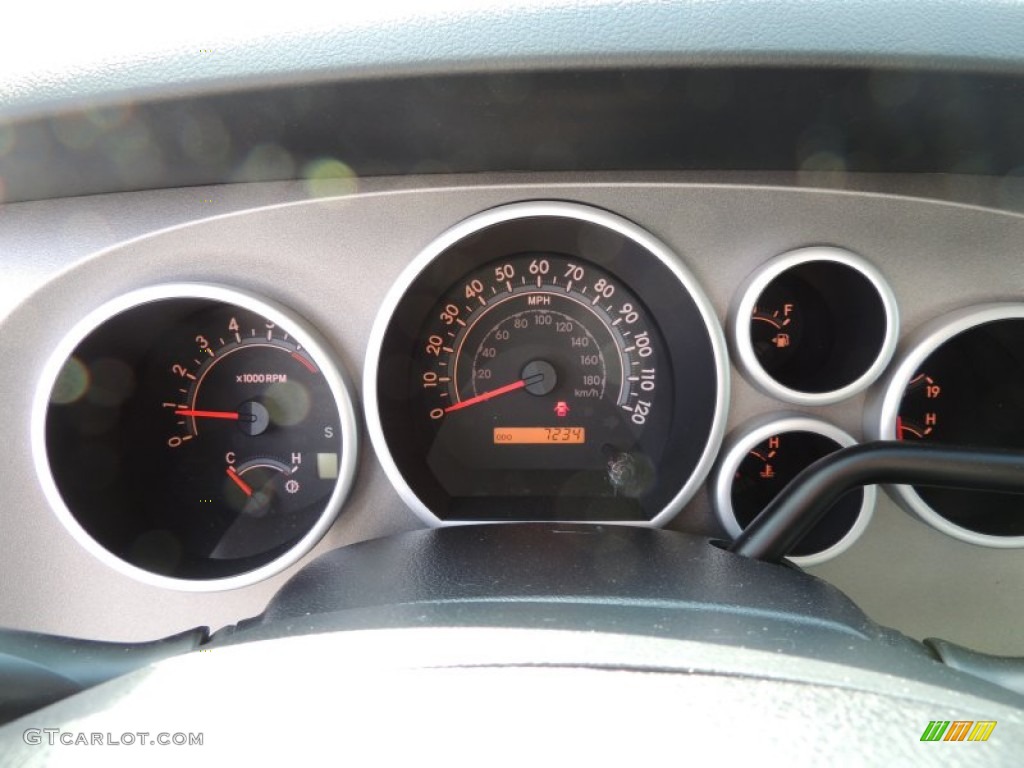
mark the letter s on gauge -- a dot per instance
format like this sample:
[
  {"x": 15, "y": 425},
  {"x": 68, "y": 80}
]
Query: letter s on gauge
[{"x": 546, "y": 361}]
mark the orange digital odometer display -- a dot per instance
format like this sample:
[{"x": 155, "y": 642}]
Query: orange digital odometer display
[{"x": 539, "y": 435}]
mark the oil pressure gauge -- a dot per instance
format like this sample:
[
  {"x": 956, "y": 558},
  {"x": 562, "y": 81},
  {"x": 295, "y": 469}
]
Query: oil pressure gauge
[{"x": 195, "y": 436}]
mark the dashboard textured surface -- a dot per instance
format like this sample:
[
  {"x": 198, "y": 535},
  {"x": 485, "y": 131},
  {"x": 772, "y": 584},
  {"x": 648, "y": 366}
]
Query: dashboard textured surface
[{"x": 171, "y": 59}]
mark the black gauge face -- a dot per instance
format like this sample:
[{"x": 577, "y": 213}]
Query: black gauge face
[
  {"x": 968, "y": 392},
  {"x": 540, "y": 374},
  {"x": 539, "y": 384},
  {"x": 767, "y": 469},
  {"x": 194, "y": 439},
  {"x": 818, "y": 326}
]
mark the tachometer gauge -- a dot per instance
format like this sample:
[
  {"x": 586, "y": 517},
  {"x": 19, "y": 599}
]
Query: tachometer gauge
[
  {"x": 196, "y": 437},
  {"x": 523, "y": 369}
]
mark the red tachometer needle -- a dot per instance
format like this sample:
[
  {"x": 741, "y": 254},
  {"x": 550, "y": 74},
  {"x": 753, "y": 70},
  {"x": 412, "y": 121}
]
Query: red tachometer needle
[
  {"x": 209, "y": 414},
  {"x": 246, "y": 488},
  {"x": 487, "y": 395}
]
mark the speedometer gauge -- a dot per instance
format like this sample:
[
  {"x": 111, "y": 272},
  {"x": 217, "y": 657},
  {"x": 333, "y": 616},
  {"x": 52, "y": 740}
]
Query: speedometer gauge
[
  {"x": 524, "y": 360},
  {"x": 555, "y": 352}
]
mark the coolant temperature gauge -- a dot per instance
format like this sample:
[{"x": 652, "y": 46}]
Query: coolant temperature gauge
[{"x": 762, "y": 459}]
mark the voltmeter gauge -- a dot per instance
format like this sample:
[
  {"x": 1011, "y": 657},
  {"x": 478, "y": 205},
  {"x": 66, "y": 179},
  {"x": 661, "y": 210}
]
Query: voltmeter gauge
[
  {"x": 918, "y": 418},
  {"x": 196, "y": 436},
  {"x": 760, "y": 459},
  {"x": 959, "y": 383}
]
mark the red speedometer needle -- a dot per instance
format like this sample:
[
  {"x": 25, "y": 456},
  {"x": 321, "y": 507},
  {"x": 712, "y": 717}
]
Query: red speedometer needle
[
  {"x": 246, "y": 488},
  {"x": 234, "y": 416},
  {"x": 487, "y": 395}
]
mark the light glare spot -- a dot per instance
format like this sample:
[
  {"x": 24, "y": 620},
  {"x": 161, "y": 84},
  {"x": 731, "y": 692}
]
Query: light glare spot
[
  {"x": 266, "y": 162},
  {"x": 327, "y": 177},
  {"x": 72, "y": 382},
  {"x": 287, "y": 402},
  {"x": 112, "y": 382}
]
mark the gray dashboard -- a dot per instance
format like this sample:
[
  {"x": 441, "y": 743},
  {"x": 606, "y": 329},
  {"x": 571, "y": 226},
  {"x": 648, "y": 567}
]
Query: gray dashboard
[{"x": 331, "y": 251}]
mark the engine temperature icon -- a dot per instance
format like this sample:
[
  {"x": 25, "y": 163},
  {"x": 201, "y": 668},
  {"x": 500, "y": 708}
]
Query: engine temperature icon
[{"x": 766, "y": 454}]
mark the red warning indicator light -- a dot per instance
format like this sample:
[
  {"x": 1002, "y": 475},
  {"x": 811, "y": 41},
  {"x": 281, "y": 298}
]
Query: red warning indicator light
[{"x": 561, "y": 409}]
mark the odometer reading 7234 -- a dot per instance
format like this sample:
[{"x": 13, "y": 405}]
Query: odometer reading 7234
[
  {"x": 523, "y": 346},
  {"x": 526, "y": 371},
  {"x": 539, "y": 435}
]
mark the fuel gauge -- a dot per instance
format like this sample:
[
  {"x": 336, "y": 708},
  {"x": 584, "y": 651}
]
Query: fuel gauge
[
  {"x": 760, "y": 460},
  {"x": 814, "y": 326},
  {"x": 776, "y": 329}
]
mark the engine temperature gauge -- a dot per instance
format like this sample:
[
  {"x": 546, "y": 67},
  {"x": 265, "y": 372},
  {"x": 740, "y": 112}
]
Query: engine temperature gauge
[{"x": 763, "y": 459}]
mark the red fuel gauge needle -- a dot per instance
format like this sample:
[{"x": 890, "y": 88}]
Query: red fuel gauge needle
[
  {"x": 246, "y": 488},
  {"x": 234, "y": 416},
  {"x": 486, "y": 396}
]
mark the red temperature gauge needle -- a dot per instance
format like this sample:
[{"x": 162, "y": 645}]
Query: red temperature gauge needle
[
  {"x": 487, "y": 396},
  {"x": 209, "y": 414},
  {"x": 246, "y": 488}
]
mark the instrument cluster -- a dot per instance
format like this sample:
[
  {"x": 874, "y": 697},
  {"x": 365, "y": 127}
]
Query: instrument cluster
[{"x": 539, "y": 361}]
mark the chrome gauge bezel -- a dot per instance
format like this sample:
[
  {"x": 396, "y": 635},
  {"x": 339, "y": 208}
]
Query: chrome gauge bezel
[
  {"x": 755, "y": 285},
  {"x": 539, "y": 209},
  {"x": 884, "y": 406},
  {"x": 747, "y": 436},
  {"x": 299, "y": 329}
]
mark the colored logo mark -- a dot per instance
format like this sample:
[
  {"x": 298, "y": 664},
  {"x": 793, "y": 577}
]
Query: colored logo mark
[{"x": 958, "y": 730}]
